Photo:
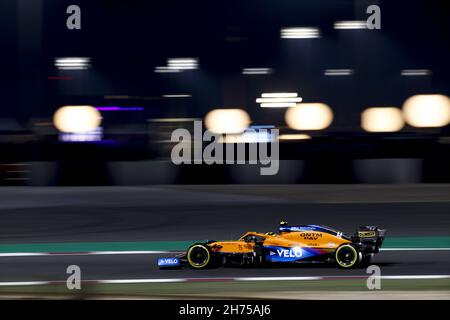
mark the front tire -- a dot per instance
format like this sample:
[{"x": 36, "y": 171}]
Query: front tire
[
  {"x": 199, "y": 256},
  {"x": 347, "y": 256}
]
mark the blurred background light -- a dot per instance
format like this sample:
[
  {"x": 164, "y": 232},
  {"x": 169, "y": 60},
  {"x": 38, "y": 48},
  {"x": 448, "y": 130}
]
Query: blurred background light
[
  {"x": 279, "y": 100},
  {"x": 117, "y": 108},
  {"x": 178, "y": 65},
  {"x": 427, "y": 110},
  {"x": 256, "y": 71},
  {"x": 278, "y": 105},
  {"x": 415, "y": 72},
  {"x": 77, "y": 119},
  {"x": 169, "y": 120},
  {"x": 248, "y": 137},
  {"x": 165, "y": 69},
  {"x": 280, "y": 95},
  {"x": 75, "y": 63},
  {"x": 340, "y": 25},
  {"x": 177, "y": 96},
  {"x": 300, "y": 33},
  {"x": 382, "y": 119},
  {"x": 227, "y": 121},
  {"x": 338, "y": 72},
  {"x": 309, "y": 116},
  {"x": 269, "y": 100},
  {"x": 91, "y": 136},
  {"x": 262, "y": 126},
  {"x": 182, "y": 63},
  {"x": 293, "y": 136}
]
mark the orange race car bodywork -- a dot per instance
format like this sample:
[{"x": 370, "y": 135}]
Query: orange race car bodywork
[
  {"x": 305, "y": 239},
  {"x": 294, "y": 244}
]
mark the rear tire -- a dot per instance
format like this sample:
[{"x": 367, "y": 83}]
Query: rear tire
[
  {"x": 366, "y": 259},
  {"x": 347, "y": 256},
  {"x": 199, "y": 256}
]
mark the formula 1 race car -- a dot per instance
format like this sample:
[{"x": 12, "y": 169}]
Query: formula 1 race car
[{"x": 292, "y": 244}]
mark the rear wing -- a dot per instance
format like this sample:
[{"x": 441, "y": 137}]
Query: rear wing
[{"x": 370, "y": 238}]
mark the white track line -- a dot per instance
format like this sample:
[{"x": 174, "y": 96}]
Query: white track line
[
  {"x": 415, "y": 277},
  {"x": 23, "y": 254},
  {"x": 171, "y": 280},
  {"x": 25, "y": 283},
  {"x": 277, "y": 278},
  {"x": 128, "y": 252},
  {"x": 142, "y": 281},
  {"x": 34, "y": 254},
  {"x": 398, "y": 277}
]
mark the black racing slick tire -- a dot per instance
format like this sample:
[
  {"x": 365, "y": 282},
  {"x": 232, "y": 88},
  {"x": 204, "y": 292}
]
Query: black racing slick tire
[
  {"x": 366, "y": 259},
  {"x": 199, "y": 256},
  {"x": 347, "y": 256}
]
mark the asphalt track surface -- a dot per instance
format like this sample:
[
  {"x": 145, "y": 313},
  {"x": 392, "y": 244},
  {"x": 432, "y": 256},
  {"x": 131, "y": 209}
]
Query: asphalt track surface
[
  {"x": 41, "y": 215},
  {"x": 110, "y": 267}
]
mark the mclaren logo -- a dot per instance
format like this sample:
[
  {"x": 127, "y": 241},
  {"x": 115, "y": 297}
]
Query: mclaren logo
[{"x": 288, "y": 253}]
